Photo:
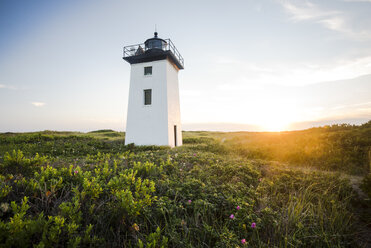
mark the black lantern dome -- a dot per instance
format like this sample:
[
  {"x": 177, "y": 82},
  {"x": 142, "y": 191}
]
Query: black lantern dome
[
  {"x": 153, "y": 49},
  {"x": 155, "y": 43}
]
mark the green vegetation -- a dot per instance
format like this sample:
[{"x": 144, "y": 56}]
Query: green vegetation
[
  {"x": 343, "y": 148},
  {"x": 287, "y": 189}
]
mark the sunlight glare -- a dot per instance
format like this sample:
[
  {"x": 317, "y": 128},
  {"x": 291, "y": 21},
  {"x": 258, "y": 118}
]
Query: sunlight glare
[{"x": 275, "y": 118}]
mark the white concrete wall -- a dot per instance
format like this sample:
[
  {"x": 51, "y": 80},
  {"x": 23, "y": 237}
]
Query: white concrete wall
[
  {"x": 173, "y": 105},
  {"x": 153, "y": 124}
]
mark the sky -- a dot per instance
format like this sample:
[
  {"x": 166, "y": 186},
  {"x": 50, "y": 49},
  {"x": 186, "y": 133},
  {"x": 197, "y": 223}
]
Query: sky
[{"x": 250, "y": 65}]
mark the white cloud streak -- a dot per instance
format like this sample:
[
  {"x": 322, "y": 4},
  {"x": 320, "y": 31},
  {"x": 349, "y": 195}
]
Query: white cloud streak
[
  {"x": 3, "y": 86},
  {"x": 358, "y": 1},
  {"x": 38, "y": 104},
  {"x": 334, "y": 20},
  {"x": 306, "y": 11},
  {"x": 293, "y": 74}
]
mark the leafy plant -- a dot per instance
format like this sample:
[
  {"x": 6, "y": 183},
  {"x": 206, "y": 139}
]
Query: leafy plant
[{"x": 218, "y": 190}]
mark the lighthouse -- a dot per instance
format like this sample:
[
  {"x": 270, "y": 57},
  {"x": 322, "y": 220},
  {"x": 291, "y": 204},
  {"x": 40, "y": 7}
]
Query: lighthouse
[{"x": 153, "y": 116}]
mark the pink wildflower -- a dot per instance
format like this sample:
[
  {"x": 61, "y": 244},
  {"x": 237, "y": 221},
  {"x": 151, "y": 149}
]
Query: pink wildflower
[
  {"x": 194, "y": 154},
  {"x": 189, "y": 201},
  {"x": 243, "y": 241},
  {"x": 238, "y": 207},
  {"x": 253, "y": 225},
  {"x": 232, "y": 216},
  {"x": 260, "y": 179},
  {"x": 75, "y": 171}
]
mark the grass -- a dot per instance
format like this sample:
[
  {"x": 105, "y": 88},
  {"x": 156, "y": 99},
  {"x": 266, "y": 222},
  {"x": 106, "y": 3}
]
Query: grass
[{"x": 90, "y": 190}]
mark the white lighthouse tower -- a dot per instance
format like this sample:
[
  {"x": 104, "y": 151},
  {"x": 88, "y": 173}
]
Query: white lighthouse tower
[{"x": 153, "y": 111}]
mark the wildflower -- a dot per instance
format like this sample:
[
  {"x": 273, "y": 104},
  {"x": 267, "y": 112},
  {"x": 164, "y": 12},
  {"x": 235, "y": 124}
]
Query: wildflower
[
  {"x": 243, "y": 241},
  {"x": 189, "y": 201},
  {"x": 238, "y": 207},
  {"x": 136, "y": 227},
  {"x": 260, "y": 179},
  {"x": 194, "y": 154},
  {"x": 253, "y": 225},
  {"x": 231, "y": 216},
  {"x": 4, "y": 207},
  {"x": 48, "y": 193},
  {"x": 75, "y": 171}
]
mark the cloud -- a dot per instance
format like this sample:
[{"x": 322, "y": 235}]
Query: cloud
[
  {"x": 253, "y": 75},
  {"x": 38, "y": 104},
  {"x": 220, "y": 127},
  {"x": 357, "y": 110},
  {"x": 306, "y": 11},
  {"x": 190, "y": 93},
  {"x": 104, "y": 120},
  {"x": 335, "y": 20},
  {"x": 327, "y": 121},
  {"x": 3, "y": 86},
  {"x": 362, "y": 104},
  {"x": 358, "y": 1}
]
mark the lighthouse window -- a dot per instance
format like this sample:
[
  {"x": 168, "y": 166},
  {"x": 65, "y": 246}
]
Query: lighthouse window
[
  {"x": 148, "y": 97},
  {"x": 148, "y": 70}
]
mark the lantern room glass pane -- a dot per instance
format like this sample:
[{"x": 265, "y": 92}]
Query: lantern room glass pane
[{"x": 154, "y": 44}]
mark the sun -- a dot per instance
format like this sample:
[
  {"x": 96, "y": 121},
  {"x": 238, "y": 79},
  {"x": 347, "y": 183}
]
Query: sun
[
  {"x": 275, "y": 125},
  {"x": 275, "y": 118},
  {"x": 270, "y": 114}
]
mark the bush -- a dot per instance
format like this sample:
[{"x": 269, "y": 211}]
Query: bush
[
  {"x": 92, "y": 192},
  {"x": 16, "y": 163}
]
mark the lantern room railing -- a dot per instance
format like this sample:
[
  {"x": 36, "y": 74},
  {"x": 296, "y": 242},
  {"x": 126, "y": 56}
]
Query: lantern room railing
[{"x": 139, "y": 49}]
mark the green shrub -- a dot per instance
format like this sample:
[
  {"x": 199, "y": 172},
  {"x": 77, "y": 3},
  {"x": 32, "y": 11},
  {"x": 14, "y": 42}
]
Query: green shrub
[
  {"x": 97, "y": 192},
  {"x": 16, "y": 163}
]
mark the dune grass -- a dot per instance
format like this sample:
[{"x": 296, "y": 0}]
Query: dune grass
[{"x": 90, "y": 190}]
